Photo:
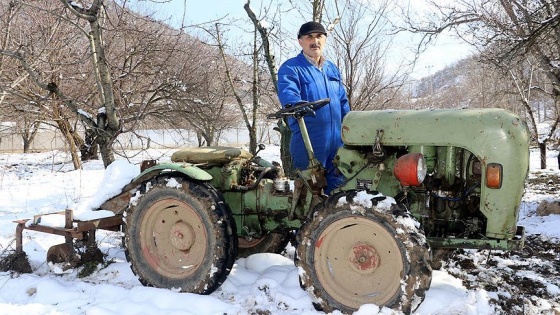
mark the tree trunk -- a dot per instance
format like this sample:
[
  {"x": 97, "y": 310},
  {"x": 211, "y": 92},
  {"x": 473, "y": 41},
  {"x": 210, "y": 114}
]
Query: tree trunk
[
  {"x": 207, "y": 138},
  {"x": 105, "y": 141},
  {"x": 106, "y": 150},
  {"x": 200, "y": 139},
  {"x": 88, "y": 149},
  {"x": 67, "y": 132},
  {"x": 29, "y": 131},
  {"x": 72, "y": 139},
  {"x": 542, "y": 150},
  {"x": 111, "y": 127},
  {"x": 26, "y": 144},
  {"x": 253, "y": 141},
  {"x": 285, "y": 156}
]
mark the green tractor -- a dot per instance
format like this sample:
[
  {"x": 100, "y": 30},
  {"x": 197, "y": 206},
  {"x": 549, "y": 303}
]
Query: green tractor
[{"x": 418, "y": 184}]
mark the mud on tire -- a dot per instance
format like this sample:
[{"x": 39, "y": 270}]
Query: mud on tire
[
  {"x": 180, "y": 234},
  {"x": 350, "y": 254}
]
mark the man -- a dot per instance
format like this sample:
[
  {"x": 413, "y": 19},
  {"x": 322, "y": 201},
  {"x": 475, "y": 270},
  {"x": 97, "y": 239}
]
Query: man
[{"x": 310, "y": 77}]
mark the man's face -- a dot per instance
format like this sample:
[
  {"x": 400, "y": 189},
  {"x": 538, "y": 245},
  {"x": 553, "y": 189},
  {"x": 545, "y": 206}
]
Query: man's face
[{"x": 313, "y": 44}]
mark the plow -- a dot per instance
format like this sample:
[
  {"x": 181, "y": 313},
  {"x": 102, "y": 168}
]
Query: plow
[{"x": 72, "y": 231}]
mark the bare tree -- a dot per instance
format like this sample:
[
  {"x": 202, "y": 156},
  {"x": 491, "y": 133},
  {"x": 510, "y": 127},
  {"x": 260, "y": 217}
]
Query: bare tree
[
  {"x": 269, "y": 56},
  {"x": 26, "y": 92},
  {"x": 506, "y": 33},
  {"x": 362, "y": 44},
  {"x": 10, "y": 79},
  {"x": 47, "y": 79},
  {"x": 7, "y": 12},
  {"x": 249, "y": 113},
  {"x": 533, "y": 91},
  {"x": 166, "y": 77},
  {"x": 122, "y": 70},
  {"x": 208, "y": 106}
]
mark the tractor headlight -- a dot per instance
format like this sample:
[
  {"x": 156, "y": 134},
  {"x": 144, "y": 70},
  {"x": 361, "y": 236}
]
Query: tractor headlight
[{"x": 410, "y": 169}]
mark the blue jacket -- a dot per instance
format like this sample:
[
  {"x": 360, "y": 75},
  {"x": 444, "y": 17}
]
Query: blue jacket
[{"x": 299, "y": 80}]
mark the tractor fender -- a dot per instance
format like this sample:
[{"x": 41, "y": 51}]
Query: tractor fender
[
  {"x": 186, "y": 169},
  {"x": 119, "y": 203}
]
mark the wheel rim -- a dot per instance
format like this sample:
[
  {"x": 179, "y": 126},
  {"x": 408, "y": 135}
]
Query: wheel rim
[
  {"x": 173, "y": 238},
  {"x": 358, "y": 261}
]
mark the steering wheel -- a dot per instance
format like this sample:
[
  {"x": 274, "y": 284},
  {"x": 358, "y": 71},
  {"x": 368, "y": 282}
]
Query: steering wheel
[{"x": 300, "y": 109}]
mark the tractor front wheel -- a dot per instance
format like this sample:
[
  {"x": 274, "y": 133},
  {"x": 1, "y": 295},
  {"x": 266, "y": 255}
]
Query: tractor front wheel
[{"x": 353, "y": 254}]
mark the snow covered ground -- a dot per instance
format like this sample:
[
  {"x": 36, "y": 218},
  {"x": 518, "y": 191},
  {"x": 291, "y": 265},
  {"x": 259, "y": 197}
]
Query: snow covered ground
[{"x": 38, "y": 183}]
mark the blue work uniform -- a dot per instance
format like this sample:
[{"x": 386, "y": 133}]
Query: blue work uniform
[{"x": 298, "y": 81}]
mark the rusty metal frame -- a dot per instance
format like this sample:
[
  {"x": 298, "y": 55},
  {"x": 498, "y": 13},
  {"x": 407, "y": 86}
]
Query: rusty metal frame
[{"x": 83, "y": 230}]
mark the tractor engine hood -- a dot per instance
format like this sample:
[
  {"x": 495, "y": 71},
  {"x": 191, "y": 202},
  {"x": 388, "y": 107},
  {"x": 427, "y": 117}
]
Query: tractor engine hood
[{"x": 492, "y": 135}]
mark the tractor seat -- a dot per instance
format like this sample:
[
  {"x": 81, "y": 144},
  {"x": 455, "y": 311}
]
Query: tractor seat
[{"x": 209, "y": 155}]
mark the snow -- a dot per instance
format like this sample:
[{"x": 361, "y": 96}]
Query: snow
[
  {"x": 116, "y": 176},
  {"x": 449, "y": 296},
  {"x": 364, "y": 199},
  {"x": 32, "y": 184},
  {"x": 264, "y": 24},
  {"x": 84, "y": 113}
]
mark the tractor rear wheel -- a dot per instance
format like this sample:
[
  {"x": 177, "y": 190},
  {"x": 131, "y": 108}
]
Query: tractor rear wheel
[
  {"x": 353, "y": 254},
  {"x": 180, "y": 234}
]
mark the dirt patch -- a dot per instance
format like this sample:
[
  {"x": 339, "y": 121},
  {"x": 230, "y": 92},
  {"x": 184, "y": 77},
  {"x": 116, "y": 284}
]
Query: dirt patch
[
  {"x": 544, "y": 183},
  {"x": 519, "y": 283}
]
